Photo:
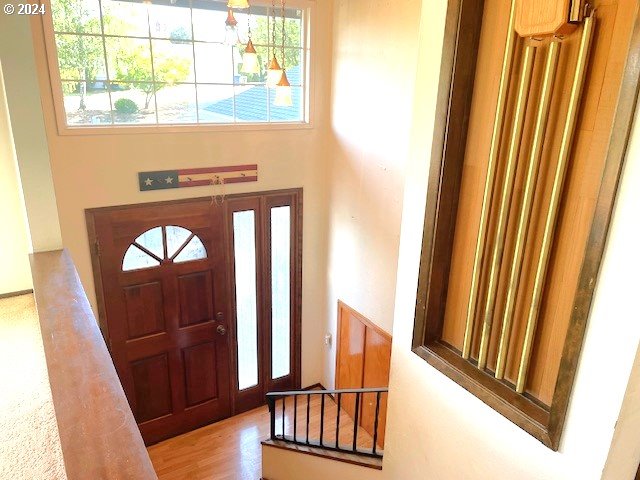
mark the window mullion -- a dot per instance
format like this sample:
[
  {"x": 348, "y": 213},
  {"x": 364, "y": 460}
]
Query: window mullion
[
  {"x": 106, "y": 63},
  {"x": 270, "y": 52},
  {"x": 304, "y": 57},
  {"x": 153, "y": 73},
  {"x": 195, "y": 70},
  {"x": 233, "y": 74}
]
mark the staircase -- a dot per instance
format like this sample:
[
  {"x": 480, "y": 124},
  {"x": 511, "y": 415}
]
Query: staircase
[{"x": 308, "y": 426}]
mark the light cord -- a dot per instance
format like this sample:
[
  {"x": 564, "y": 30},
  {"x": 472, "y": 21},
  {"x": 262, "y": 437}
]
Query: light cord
[
  {"x": 273, "y": 27},
  {"x": 283, "y": 36}
]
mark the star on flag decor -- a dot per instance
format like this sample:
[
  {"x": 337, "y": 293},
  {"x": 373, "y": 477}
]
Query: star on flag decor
[{"x": 196, "y": 177}]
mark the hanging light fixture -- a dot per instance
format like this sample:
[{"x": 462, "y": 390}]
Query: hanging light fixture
[
  {"x": 231, "y": 36},
  {"x": 238, "y": 4},
  {"x": 250, "y": 57},
  {"x": 283, "y": 88},
  {"x": 283, "y": 92},
  {"x": 274, "y": 72}
]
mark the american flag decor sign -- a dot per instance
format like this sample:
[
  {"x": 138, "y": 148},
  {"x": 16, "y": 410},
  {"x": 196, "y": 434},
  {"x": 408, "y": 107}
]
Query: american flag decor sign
[{"x": 196, "y": 177}]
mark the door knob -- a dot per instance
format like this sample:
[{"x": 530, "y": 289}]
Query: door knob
[{"x": 221, "y": 330}]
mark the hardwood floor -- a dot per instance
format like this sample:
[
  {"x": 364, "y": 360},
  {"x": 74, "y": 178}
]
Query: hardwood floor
[{"x": 231, "y": 449}]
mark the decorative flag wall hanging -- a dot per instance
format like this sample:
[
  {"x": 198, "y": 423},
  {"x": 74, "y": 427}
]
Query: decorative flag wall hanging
[{"x": 196, "y": 177}]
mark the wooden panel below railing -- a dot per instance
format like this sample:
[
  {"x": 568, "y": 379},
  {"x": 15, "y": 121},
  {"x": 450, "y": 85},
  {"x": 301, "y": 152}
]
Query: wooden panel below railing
[
  {"x": 377, "y": 362},
  {"x": 363, "y": 360},
  {"x": 350, "y": 356},
  {"x": 98, "y": 434}
]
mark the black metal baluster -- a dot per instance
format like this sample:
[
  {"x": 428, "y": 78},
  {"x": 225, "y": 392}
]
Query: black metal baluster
[
  {"x": 284, "y": 399},
  {"x": 375, "y": 425},
  {"x": 355, "y": 422},
  {"x": 308, "y": 405},
  {"x": 271, "y": 401},
  {"x": 321, "y": 418},
  {"x": 295, "y": 416},
  {"x": 338, "y": 420}
]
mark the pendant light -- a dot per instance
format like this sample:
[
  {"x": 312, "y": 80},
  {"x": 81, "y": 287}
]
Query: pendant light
[
  {"x": 231, "y": 36},
  {"x": 250, "y": 57},
  {"x": 274, "y": 72},
  {"x": 238, "y": 4},
  {"x": 283, "y": 88},
  {"x": 283, "y": 92}
]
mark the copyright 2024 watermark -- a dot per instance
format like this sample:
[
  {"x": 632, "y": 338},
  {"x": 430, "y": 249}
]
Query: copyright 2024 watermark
[{"x": 24, "y": 9}]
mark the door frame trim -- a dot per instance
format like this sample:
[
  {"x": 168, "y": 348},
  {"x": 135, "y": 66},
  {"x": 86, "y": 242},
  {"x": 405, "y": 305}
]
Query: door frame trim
[{"x": 297, "y": 233}]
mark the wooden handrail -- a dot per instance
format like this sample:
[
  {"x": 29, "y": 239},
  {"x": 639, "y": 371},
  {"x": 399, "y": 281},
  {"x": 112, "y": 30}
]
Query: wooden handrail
[
  {"x": 98, "y": 434},
  {"x": 324, "y": 392}
]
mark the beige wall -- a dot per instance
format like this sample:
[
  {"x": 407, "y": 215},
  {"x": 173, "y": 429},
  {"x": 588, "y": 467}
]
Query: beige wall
[
  {"x": 101, "y": 170},
  {"x": 15, "y": 274},
  {"x": 374, "y": 60},
  {"x": 279, "y": 464},
  {"x": 23, "y": 100},
  {"x": 624, "y": 455},
  {"x": 436, "y": 429}
]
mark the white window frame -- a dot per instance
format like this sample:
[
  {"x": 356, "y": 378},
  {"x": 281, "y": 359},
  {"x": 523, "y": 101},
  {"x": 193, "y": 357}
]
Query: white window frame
[{"x": 109, "y": 129}]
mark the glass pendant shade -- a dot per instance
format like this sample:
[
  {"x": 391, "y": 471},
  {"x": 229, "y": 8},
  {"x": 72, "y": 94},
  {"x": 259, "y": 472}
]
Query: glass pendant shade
[
  {"x": 231, "y": 36},
  {"x": 250, "y": 59},
  {"x": 238, "y": 4},
  {"x": 274, "y": 73},
  {"x": 283, "y": 92}
]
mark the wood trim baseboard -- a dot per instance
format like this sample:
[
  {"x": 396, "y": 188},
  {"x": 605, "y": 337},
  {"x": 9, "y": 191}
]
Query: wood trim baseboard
[
  {"x": 15, "y": 294},
  {"x": 315, "y": 386},
  {"x": 316, "y": 451}
]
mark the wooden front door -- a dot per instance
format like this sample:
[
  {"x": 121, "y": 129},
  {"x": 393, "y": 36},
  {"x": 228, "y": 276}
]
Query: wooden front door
[{"x": 164, "y": 284}]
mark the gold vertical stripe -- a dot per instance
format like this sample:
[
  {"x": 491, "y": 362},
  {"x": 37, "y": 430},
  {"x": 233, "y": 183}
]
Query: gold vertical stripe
[
  {"x": 575, "y": 12},
  {"x": 505, "y": 200},
  {"x": 542, "y": 118},
  {"x": 554, "y": 203},
  {"x": 496, "y": 136}
]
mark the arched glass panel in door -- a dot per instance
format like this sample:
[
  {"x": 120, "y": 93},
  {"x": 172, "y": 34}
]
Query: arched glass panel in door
[{"x": 169, "y": 243}]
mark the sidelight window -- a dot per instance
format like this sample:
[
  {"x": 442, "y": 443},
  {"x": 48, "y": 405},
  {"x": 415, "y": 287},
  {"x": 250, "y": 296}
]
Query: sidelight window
[
  {"x": 280, "y": 290},
  {"x": 244, "y": 247},
  {"x": 266, "y": 269}
]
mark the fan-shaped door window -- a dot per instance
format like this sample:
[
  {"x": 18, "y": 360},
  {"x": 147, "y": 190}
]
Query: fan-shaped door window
[{"x": 170, "y": 243}]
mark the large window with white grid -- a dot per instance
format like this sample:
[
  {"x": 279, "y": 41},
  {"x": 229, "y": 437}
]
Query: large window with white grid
[{"x": 174, "y": 62}]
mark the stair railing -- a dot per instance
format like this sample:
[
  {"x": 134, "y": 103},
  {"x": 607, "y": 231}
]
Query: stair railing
[{"x": 338, "y": 397}]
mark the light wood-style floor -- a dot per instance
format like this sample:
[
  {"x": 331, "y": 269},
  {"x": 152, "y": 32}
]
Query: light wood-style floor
[{"x": 231, "y": 449}]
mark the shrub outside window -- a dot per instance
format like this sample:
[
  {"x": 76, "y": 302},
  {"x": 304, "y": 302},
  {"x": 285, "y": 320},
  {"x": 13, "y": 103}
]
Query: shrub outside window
[{"x": 165, "y": 62}]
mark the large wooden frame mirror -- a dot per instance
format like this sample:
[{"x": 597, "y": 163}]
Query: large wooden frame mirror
[{"x": 532, "y": 125}]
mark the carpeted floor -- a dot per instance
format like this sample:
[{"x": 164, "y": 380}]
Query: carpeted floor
[{"x": 29, "y": 441}]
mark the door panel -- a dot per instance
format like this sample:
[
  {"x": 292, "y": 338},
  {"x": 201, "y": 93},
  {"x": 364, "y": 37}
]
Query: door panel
[
  {"x": 145, "y": 309},
  {"x": 164, "y": 304},
  {"x": 152, "y": 387},
  {"x": 200, "y": 373},
  {"x": 196, "y": 298}
]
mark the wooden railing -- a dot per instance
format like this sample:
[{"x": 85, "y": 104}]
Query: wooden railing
[
  {"x": 99, "y": 437},
  {"x": 320, "y": 422}
]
